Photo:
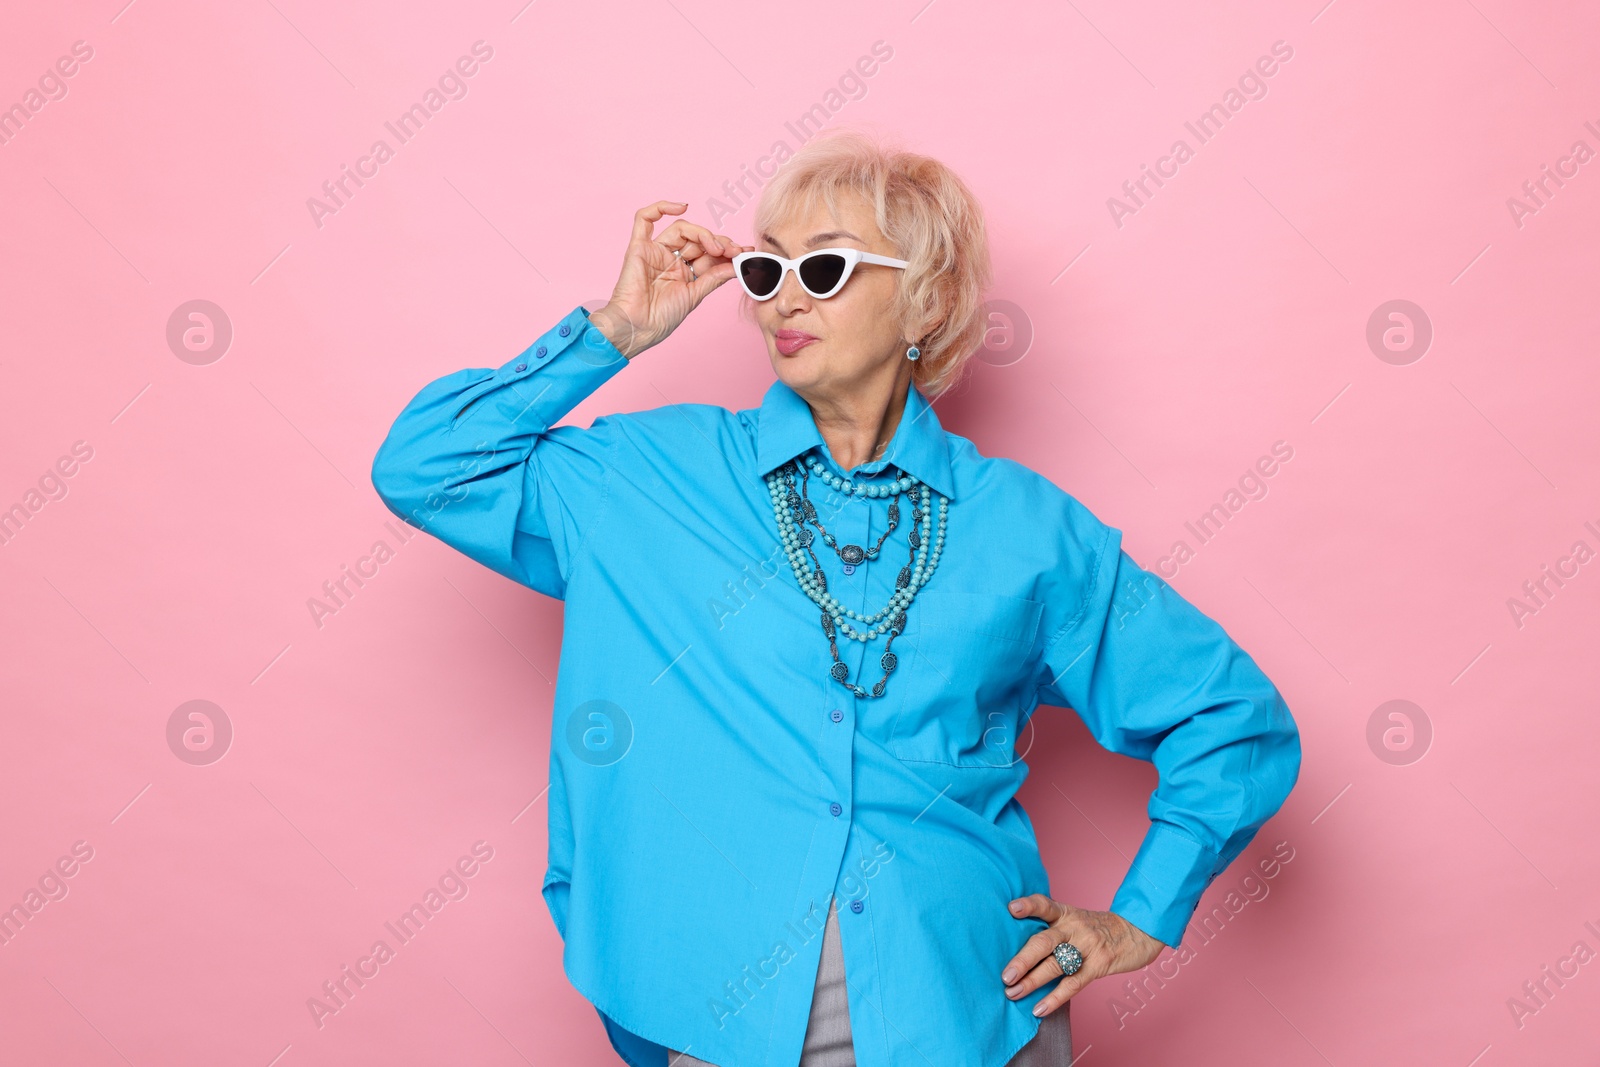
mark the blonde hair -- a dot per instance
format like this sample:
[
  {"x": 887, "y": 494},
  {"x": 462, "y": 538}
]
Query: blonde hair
[{"x": 925, "y": 211}]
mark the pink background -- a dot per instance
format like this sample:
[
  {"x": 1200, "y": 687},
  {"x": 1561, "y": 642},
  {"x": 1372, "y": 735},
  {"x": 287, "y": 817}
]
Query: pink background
[{"x": 1227, "y": 313}]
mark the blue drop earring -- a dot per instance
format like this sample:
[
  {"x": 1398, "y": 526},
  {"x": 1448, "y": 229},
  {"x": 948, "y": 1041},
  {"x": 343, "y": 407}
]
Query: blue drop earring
[{"x": 913, "y": 352}]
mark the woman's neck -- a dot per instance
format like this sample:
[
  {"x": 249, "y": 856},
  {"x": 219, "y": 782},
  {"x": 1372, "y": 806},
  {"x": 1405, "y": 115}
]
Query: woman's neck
[{"x": 859, "y": 423}]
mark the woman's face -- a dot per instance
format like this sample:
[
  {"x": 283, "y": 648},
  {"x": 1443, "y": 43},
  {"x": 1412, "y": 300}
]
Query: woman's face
[{"x": 857, "y": 344}]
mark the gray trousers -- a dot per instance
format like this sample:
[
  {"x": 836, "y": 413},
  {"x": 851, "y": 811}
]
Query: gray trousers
[{"x": 828, "y": 1033}]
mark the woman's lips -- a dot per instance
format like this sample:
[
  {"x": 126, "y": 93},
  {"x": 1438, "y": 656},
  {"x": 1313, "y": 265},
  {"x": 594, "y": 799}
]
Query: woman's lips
[{"x": 791, "y": 341}]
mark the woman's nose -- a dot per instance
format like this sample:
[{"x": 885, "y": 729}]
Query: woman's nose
[{"x": 791, "y": 296}]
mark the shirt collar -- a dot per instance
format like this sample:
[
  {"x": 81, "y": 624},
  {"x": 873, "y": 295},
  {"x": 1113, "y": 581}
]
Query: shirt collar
[{"x": 787, "y": 428}]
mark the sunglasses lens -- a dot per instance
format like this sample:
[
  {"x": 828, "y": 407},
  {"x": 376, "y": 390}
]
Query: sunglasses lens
[
  {"x": 760, "y": 274},
  {"x": 821, "y": 273}
]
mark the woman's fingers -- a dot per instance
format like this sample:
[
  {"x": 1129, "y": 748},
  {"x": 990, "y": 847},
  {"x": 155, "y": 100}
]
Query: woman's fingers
[
  {"x": 1065, "y": 990},
  {"x": 1037, "y": 949},
  {"x": 1046, "y": 970},
  {"x": 711, "y": 274},
  {"x": 719, "y": 262},
  {"x": 678, "y": 238},
  {"x": 1043, "y": 974},
  {"x": 692, "y": 240},
  {"x": 709, "y": 254},
  {"x": 695, "y": 241},
  {"x": 645, "y": 218},
  {"x": 1038, "y": 906}
]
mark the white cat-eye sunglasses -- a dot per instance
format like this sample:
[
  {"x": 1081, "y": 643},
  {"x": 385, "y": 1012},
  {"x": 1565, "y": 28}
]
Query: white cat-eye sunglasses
[{"x": 821, "y": 273}]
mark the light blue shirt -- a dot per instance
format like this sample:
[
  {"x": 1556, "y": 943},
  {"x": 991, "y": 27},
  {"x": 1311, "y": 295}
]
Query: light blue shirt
[{"x": 711, "y": 786}]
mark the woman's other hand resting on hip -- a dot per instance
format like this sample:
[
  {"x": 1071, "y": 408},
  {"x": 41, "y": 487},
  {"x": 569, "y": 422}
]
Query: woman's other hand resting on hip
[{"x": 1110, "y": 945}]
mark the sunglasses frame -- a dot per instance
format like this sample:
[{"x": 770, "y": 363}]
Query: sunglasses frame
[{"x": 852, "y": 257}]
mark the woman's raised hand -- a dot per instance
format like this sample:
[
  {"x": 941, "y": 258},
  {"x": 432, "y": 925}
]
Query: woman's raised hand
[{"x": 657, "y": 289}]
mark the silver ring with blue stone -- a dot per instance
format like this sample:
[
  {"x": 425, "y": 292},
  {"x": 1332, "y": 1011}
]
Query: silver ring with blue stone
[{"x": 1068, "y": 958}]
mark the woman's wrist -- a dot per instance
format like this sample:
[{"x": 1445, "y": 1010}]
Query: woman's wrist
[{"x": 616, "y": 329}]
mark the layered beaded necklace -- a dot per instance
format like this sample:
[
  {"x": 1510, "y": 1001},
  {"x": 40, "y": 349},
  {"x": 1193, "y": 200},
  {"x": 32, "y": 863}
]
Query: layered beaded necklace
[{"x": 794, "y": 510}]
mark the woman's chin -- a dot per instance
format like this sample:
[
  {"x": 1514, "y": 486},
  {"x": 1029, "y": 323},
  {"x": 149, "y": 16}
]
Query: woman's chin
[{"x": 801, "y": 368}]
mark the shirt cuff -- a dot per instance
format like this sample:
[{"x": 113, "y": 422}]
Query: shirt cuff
[
  {"x": 1164, "y": 883},
  {"x": 572, "y": 359}
]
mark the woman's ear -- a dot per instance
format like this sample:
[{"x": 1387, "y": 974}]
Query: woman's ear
[{"x": 919, "y": 331}]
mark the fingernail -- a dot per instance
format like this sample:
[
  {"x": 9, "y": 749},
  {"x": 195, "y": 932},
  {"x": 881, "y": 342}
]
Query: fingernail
[
  {"x": 1009, "y": 975},
  {"x": 1038, "y": 1009},
  {"x": 1016, "y": 905}
]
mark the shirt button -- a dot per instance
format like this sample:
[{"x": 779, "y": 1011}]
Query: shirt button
[
  {"x": 855, "y": 906},
  {"x": 540, "y": 351},
  {"x": 835, "y": 808},
  {"x": 565, "y": 329},
  {"x": 521, "y": 367},
  {"x": 836, "y": 715}
]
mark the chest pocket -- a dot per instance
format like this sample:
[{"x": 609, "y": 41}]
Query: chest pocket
[{"x": 965, "y": 658}]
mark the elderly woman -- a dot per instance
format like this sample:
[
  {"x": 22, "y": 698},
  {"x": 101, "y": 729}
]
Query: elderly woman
[{"x": 802, "y": 638}]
